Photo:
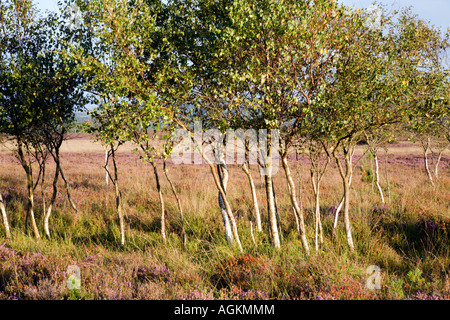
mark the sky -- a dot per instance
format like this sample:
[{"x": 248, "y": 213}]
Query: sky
[{"x": 437, "y": 12}]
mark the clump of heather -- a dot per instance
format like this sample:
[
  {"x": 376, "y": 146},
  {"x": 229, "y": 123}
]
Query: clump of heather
[
  {"x": 325, "y": 296},
  {"x": 45, "y": 289},
  {"x": 155, "y": 272},
  {"x": 423, "y": 296},
  {"x": 29, "y": 275}
]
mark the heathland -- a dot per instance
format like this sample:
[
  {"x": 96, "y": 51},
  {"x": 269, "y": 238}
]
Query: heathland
[{"x": 407, "y": 238}]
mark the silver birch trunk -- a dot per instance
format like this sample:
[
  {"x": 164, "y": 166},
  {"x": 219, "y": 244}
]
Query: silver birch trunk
[
  {"x": 426, "y": 151},
  {"x": 31, "y": 204},
  {"x": 271, "y": 206},
  {"x": 438, "y": 160},
  {"x": 317, "y": 170},
  {"x": 316, "y": 215},
  {"x": 30, "y": 188},
  {"x": 339, "y": 208},
  {"x": 223, "y": 199},
  {"x": 317, "y": 222},
  {"x": 251, "y": 233},
  {"x": 219, "y": 188},
  {"x": 272, "y": 211},
  {"x": 52, "y": 200},
  {"x": 119, "y": 205},
  {"x": 223, "y": 177},
  {"x": 69, "y": 196},
  {"x": 5, "y": 217},
  {"x": 280, "y": 229},
  {"x": 377, "y": 176},
  {"x": 346, "y": 180},
  {"x": 297, "y": 210},
  {"x": 106, "y": 175},
  {"x": 161, "y": 202},
  {"x": 106, "y": 167},
  {"x": 254, "y": 197}
]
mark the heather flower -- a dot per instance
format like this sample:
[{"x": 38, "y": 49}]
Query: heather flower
[
  {"x": 325, "y": 296},
  {"x": 423, "y": 296}
]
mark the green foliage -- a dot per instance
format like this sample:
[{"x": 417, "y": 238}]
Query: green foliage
[{"x": 415, "y": 278}]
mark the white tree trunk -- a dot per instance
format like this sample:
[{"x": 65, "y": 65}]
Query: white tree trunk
[
  {"x": 106, "y": 167},
  {"x": 29, "y": 173},
  {"x": 426, "y": 151},
  {"x": 52, "y": 201},
  {"x": 316, "y": 213},
  {"x": 377, "y": 177},
  {"x": 275, "y": 237},
  {"x": 219, "y": 187},
  {"x": 254, "y": 197},
  {"x": 31, "y": 206},
  {"x": 438, "y": 160},
  {"x": 5, "y": 217},
  {"x": 223, "y": 176},
  {"x": 161, "y": 202},
  {"x": 69, "y": 196},
  {"x": 297, "y": 210},
  {"x": 339, "y": 208},
  {"x": 346, "y": 180},
  {"x": 251, "y": 233}
]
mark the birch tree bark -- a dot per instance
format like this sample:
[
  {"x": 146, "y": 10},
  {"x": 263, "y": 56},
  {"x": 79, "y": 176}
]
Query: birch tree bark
[
  {"x": 439, "y": 151},
  {"x": 377, "y": 175},
  {"x": 217, "y": 181},
  {"x": 257, "y": 214},
  {"x": 320, "y": 158},
  {"x": 30, "y": 186},
  {"x": 346, "y": 175},
  {"x": 119, "y": 204},
  {"x": 222, "y": 172},
  {"x": 161, "y": 202},
  {"x": 297, "y": 210},
  {"x": 271, "y": 209},
  {"x": 53, "y": 198},
  {"x": 69, "y": 195},
  {"x": 338, "y": 209},
  {"x": 5, "y": 217},
  {"x": 426, "y": 150}
]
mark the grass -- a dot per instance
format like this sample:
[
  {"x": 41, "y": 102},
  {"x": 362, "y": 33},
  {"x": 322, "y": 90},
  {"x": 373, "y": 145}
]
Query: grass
[{"x": 408, "y": 238}]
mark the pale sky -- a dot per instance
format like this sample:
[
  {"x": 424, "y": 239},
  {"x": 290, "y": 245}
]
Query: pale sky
[{"x": 437, "y": 12}]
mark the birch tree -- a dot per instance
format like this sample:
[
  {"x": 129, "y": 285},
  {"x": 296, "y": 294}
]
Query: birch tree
[
  {"x": 377, "y": 83},
  {"x": 133, "y": 64},
  {"x": 274, "y": 58}
]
